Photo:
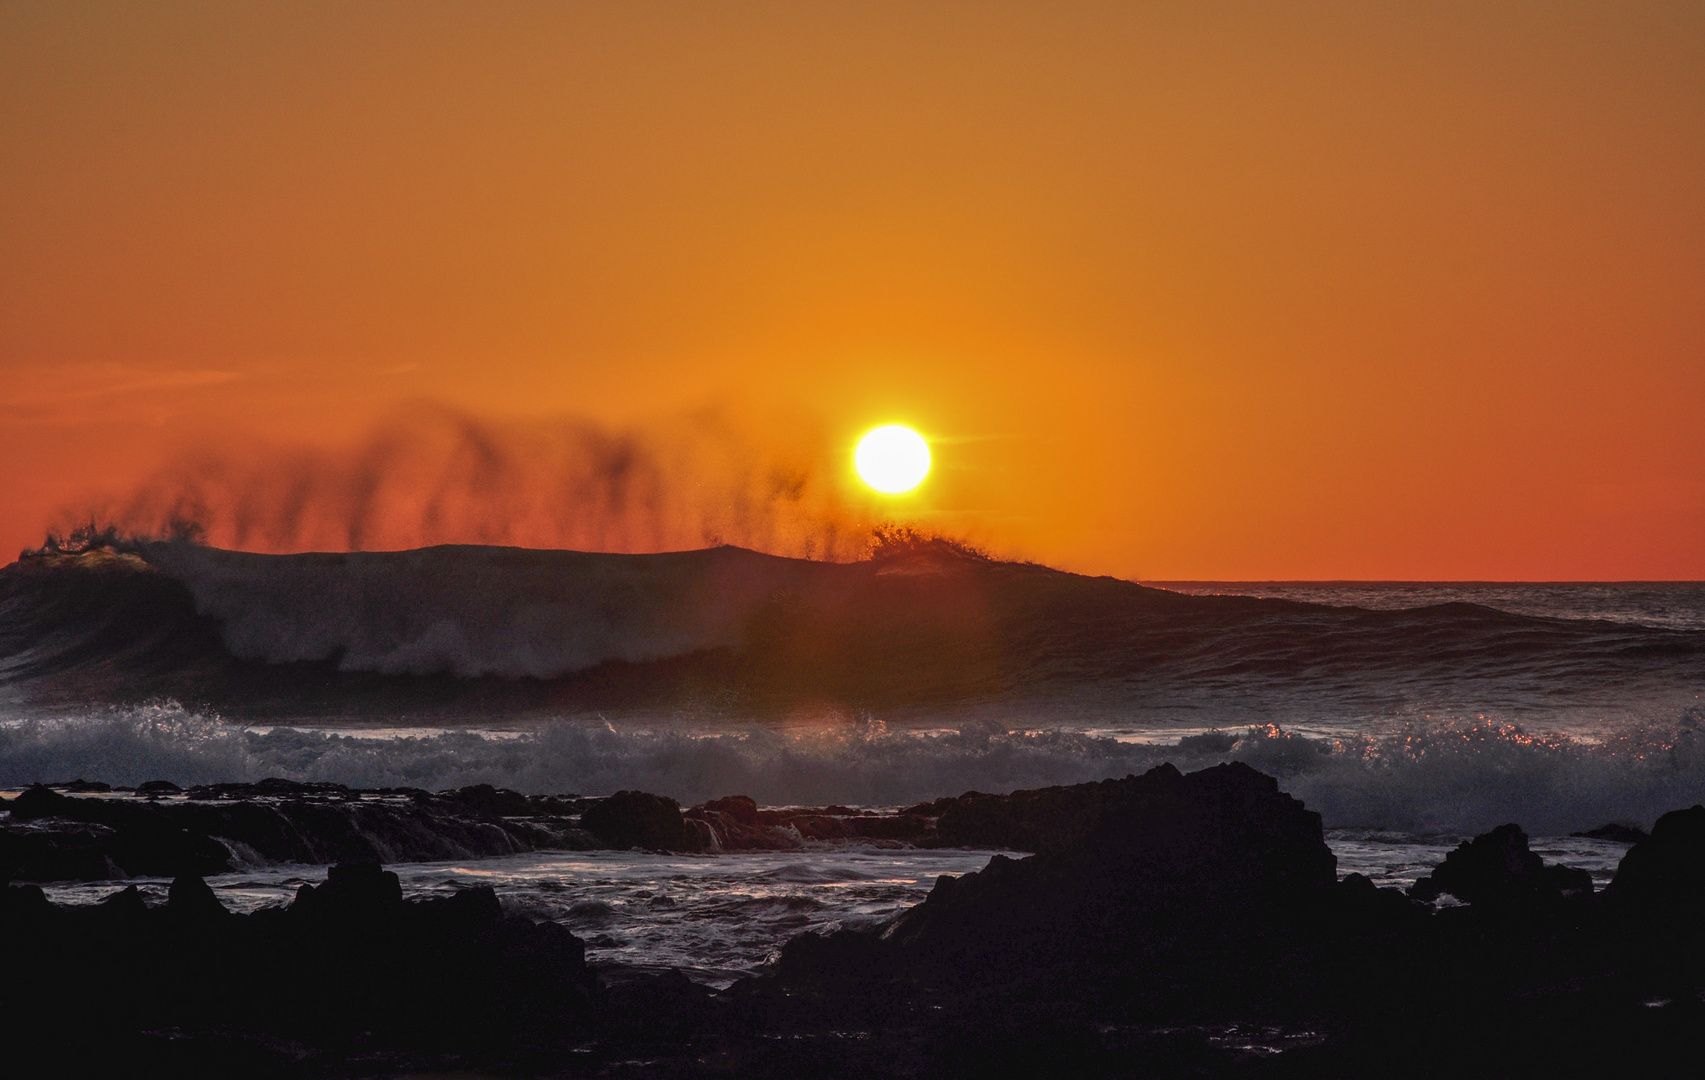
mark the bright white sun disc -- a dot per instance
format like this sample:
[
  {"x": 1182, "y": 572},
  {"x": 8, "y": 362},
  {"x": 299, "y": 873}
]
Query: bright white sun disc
[{"x": 892, "y": 459}]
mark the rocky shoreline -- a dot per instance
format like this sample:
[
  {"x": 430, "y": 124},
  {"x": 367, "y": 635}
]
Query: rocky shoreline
[
  {"x": 90, "y": 831},
  {"x": 1168, "y": 924}
]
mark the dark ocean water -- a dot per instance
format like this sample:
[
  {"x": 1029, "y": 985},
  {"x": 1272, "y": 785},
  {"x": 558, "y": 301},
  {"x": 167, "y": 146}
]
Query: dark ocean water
[{"x": 1667, "y": 605}]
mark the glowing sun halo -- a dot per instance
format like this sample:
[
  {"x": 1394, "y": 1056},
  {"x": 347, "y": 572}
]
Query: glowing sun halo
[{"x": 892, "y": 459}]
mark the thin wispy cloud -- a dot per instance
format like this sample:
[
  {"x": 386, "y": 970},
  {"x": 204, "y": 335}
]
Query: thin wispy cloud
[{"x": 61, "y": 394}]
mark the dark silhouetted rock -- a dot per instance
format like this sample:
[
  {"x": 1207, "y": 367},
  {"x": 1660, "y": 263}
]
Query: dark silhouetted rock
[
  {"x": 362, "y": 889},
  {"x": 150, "y": 846},
  {"x": 1666, "y": 870},
  {"x": 274, "y": 820},
  {"x": 842, "y": 955},
  {"x": 630, "y": 819},
  {"x": 132, "y": 838},
  {"x": 1161, "y": 861},
  {"x": 1192, "y": 928},
  {"x": 1621, "y": 834},
  {"x": 287, "y": 821},
  {"x": 80, "y": 786},
  {"x": 1041, "y": 820},
  {"x": 476, "y": 905},
  {"x": 742, "y": 808},
  {"x": 24, "y": 903},
  {"x": 485, "y": 799},
  {"x": 127, "y": 902},
  {"x": 1356, "y": 893},
  {"x": 191, "y": 899},
  {"x": 158, "y": 787},
  {"x": 279, "y": 993},
  {"x": 648, "y": 1013},
  {"x": 69, "y": 854},
  {"x": 39, "y": 801},
  {"x": 1497, "y": 867}
]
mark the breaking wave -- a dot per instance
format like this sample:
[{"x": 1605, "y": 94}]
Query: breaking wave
[
  {"x": 995, "y": 676},
  {"x": 431, "y": 474},
  {"x": 1455, "y": 776},
  {"x": 472, "y": 633}
]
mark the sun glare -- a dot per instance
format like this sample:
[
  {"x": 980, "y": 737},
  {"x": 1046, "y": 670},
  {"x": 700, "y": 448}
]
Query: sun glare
[{"x": 892, "y": 459}]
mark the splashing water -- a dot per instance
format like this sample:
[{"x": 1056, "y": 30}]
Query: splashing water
[{"x": 1446, "y": 775}]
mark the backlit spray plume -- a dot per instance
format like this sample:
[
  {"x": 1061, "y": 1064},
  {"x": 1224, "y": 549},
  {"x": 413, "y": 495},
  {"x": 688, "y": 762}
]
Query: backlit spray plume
[{"x": 432, "y": 475}]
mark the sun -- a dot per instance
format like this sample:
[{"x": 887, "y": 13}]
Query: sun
[{"x": 893, "y": 459}]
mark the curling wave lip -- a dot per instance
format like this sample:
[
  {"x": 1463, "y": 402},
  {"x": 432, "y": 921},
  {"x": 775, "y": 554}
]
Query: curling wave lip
[{"x": 480, "y": 635}]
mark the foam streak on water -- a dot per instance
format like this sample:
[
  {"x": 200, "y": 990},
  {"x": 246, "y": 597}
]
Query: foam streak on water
[
  {"x": 1441, "y": 775},
  {"x": 718, "y": 918},
  {"x": 715, "y": 917}
]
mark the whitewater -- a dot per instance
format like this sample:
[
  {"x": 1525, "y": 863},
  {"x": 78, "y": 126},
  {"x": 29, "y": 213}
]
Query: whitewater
[
  {"x": 1410, "y": 715},
  {"x": 925, "y": 671},
  {"x": 1427, "y": 775}
]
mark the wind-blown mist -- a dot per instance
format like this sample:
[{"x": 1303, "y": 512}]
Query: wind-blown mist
[
  {"x": 1452, "y": 776},
  {"x": 432, "y": 475}
]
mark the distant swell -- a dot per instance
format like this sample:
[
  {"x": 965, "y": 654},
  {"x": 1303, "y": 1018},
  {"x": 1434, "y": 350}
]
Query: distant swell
[{"x": 1453, "y": 776}]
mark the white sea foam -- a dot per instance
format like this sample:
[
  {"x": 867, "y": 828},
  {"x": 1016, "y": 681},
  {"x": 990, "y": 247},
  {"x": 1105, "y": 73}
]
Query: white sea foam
[
  {"x": 715, "y": 918},
  {"x": 1455, "y": 776}
]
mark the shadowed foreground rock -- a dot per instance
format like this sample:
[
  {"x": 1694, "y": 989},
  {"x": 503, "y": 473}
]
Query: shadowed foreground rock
[
  {"x": 1170, "y": 925},
  {"x": 1191, "y": 925},
  {"x": 1498, "y": 868},
  {"x": 50, "y": 835},
  {"x": 347, "y": 973},
  {"x": 1195, "y": 855},
  {"x": 89, "y": 831},
  {"x": 1665, "y": 873},
  {"x": 637, "y": 819}
]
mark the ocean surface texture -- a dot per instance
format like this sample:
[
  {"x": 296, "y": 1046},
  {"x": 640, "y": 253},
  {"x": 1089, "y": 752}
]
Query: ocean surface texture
[{"x": 1410, "y": 715}]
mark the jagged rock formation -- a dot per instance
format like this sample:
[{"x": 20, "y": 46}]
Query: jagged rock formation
[
  {"x": 1119, "y": 861},
  {"x": 1497, "y": 868},
  {"x": 1666, "y": 871},
  {"x": 349, "y": 972},
  {"x": 630, "y": 819},
  {"x": 60, "y": 833},
  {"x": 1170, "y": 924},
  {"x": 51, "y": 836},
  {"x": 1190, "y": 925},
  {"x": 1614, "y": 831}
]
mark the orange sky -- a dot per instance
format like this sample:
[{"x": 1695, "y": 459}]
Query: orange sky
[{"x": 1181, "y": 291}]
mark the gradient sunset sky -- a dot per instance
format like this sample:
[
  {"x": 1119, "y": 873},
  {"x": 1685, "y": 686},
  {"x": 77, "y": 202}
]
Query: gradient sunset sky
[{"x": 1192, "y": 290}]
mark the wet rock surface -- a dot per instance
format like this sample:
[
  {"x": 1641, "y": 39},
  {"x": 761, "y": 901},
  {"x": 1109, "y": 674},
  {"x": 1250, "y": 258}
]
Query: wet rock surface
[
  {"x": 89, "y": 831},
  {"x": 637, "y": 819},
  {"x": 156, "y": 831},
  {"x": 1168, "y": 925},
  {"x": 1196, "y": 854}
]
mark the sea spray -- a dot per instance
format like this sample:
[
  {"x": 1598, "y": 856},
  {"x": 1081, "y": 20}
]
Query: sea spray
[
  {"x": 1432, "y": 775},
  {"x": 491, "y": 637}
]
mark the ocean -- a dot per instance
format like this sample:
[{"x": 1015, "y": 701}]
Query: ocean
[{"x": 1410, "y": 715}]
